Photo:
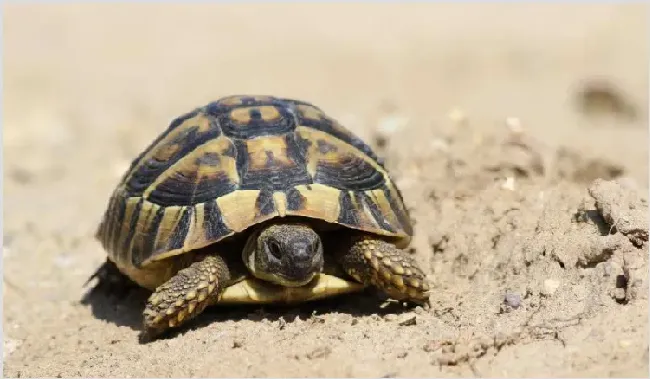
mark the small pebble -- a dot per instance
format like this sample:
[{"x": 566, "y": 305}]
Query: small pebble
[
  {"x": 320, "y": 352},
  {"x": 513, "y": 300},
  {"x": 408, "y": 321},
  {"x": 550, "y": 286},
  {"x": 509, "y": 184},
  {"x": 354, "y": 321},
  {"x": 236, "y": 344},
  {"x": 514, "y": 125}
]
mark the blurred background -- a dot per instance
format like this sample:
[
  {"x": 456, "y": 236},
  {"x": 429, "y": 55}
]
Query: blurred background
[{"x": 111, "y": 76}]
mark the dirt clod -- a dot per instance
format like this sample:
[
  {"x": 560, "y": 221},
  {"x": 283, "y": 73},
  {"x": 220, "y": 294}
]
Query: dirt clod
[
  {"x": 623, "y": 208},
  {"x": 512, "y": 300}
]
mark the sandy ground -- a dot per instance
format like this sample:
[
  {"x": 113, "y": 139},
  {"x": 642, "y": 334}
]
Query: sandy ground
[{"x": 496, "y": 121}]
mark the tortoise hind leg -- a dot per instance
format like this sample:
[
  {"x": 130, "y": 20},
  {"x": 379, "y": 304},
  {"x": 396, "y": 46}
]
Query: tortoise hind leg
[
  {"x": 110, "y": 280},
  {"x": 185, "y": 295},
  {"x": 373, "y": 261}
]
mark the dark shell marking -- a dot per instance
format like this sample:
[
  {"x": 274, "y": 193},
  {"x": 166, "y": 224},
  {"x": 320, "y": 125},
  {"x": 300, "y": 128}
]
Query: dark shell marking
[{"x": 239, "y": 161}]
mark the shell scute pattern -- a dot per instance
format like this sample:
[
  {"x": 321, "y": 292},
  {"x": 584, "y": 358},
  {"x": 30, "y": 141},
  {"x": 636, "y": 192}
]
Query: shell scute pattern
[
  {"x": 310, "y": 115},
  {"x": 185, "y": 133},
  {"x": 239, "y": 161}
]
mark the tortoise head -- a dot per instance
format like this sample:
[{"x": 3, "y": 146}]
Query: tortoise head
[{"x": 287, "y": 254}]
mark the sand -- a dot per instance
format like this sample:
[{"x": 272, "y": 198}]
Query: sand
[{"x": 518, "y": 134}]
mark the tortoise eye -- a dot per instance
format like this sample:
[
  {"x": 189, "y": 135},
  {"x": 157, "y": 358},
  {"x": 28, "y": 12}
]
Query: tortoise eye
[{"x": 274, "y": 249}]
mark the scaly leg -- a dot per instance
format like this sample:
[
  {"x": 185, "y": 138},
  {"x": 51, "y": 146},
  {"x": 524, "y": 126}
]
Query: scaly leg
[
  {"x": 185, "y": 295},
  {"x": 373, "y": 261}
]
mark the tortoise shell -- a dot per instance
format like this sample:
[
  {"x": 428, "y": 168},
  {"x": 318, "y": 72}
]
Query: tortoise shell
[{"x": 240, "y": 161}]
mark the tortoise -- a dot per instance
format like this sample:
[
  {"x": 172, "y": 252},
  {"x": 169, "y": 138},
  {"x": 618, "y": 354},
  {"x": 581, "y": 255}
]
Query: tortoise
[{"x": 257, "y": 199}]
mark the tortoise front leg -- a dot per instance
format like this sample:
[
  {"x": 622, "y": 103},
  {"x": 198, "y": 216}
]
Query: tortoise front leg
[
  {"x": 185, "y": 295},
  {"x": 373, "y": 261}
]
